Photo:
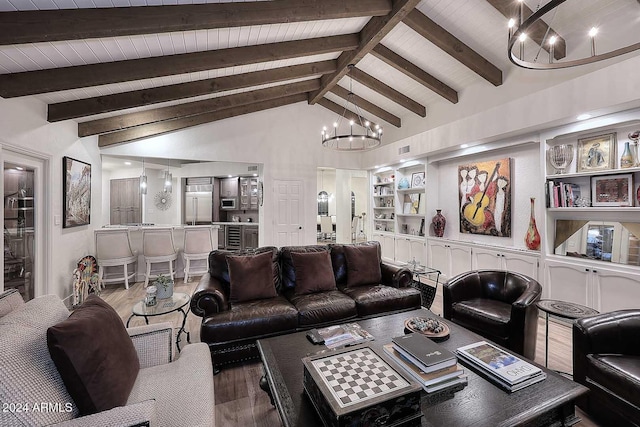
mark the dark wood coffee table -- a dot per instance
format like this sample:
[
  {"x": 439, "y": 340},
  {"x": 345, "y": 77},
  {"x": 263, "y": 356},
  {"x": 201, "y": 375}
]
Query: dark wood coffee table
[{"x": 480, "y": 403}]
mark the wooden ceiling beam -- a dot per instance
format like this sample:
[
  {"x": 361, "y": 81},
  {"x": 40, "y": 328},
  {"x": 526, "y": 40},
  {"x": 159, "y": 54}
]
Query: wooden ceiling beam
[
  {"x": 367, "y": 106},
  {"x": 348, "y": 114},
  {"x": 155, "y": 129},
  {"x": 372, "y": 33},
  {"x": 418, "y": 74},
  {"x": 139, "y": 98},
  {"x": 55, "y": 79},
  {"x": 511, "y": 9},
  {"x": 125, "y": 121},
  {"x": 446, "y": 41},
  {"x": 75, "y": 24},
  {"x": 387, "y": 91}
]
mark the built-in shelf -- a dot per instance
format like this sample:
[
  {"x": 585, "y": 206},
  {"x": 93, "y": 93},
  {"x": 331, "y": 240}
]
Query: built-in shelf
[
  {"x": 384, "y": 207},
  {"x": 412, "y": 215},
  {"x": 558, "y": 177},
  {"x": 410, "y": 190},
  {"x": 596, "y": 209}
]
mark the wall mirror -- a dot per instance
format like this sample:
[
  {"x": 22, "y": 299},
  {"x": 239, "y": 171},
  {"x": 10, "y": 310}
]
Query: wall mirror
[{"x": 610, "y": 241}]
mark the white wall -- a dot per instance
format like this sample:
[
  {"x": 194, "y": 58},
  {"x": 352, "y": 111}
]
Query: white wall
[{"x": 23, "y": 127}]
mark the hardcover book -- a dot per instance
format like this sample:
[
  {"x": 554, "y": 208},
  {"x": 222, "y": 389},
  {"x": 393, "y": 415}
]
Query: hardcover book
[
  {"x": 423, "y": 352},
  {"x": 431, "y": 379},
  {"x": 496, "y": 362}
]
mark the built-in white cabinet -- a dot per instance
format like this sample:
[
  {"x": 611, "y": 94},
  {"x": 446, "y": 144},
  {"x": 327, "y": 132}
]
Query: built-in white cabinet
[
  {"x": 604, "y": 289},
  {"x": 450, "y": 258},
  {"x": 498, "y": 259},
  {"x": 410, "y": 249}
]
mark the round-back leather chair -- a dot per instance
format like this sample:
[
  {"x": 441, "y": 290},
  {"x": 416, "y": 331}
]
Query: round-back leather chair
[{"x": 499, "y": 305}]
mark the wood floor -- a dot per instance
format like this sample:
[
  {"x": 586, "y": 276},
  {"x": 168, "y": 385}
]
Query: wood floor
[{"x": 239, "y": 400}]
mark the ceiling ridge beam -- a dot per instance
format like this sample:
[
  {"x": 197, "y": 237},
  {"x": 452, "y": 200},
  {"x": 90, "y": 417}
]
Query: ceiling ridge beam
[
  {"x": 416, "y": 73},
  {"x": 139, "y": 98},
  {"x": 446, "y": 41},
  {"x": 125, "y": 121},
  {"x": 388, "y": 92},
  {"x": 372, "y": 33},
  {"x": 367, "y": 106},
  {"x": 537, "y": 31},
  {"x": 55, "y": 79},
  {"x": 154, "y": 129},
  {"x": 347, "y": 114},
  {"x": 73, "y": 24}
]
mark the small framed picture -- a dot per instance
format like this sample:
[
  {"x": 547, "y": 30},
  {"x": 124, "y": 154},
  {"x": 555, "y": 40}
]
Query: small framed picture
[
  {"x": 597, "y": 153},
  {"x": 612, "y": 190},
  {"x": 417, "y": 179}
]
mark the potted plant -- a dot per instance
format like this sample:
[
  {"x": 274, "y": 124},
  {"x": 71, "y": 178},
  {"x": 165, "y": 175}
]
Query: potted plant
[{"x": 164, "y": 285}]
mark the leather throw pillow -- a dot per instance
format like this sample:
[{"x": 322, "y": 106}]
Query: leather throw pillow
[
  {"x": 94, "y": 356},
  {"x": 363, "y": 265},
  {"x": 251, "y": 277},
  {"x": 314, "y": 272}
]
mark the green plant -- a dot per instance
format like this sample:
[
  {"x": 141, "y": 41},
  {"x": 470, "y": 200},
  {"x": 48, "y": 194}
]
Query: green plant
[{"x": 163, "y": 281}]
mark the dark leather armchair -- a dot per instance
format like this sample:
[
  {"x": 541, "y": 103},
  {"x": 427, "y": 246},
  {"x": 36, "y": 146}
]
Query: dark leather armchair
[
  {"x": 499, "y": 305},
  {"x": 606, "y": 359}
]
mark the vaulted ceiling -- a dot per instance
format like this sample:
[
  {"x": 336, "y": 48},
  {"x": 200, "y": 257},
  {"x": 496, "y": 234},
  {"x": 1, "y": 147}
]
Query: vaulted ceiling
[{"x": 131, "y": 69}]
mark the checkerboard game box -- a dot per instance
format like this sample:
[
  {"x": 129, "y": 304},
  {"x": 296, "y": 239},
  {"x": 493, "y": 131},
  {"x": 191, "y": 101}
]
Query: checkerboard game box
[{"x": 355, "y": 386}]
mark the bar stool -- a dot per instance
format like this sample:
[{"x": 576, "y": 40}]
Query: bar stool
[
  {"x": 198, "y": 243},
  {"x": 158, "y": 248},
  {"x": 113, "y": 249}
]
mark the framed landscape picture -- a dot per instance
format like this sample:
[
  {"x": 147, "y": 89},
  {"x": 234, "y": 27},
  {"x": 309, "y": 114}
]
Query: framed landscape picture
[
  {"x": 597, "y": 153},
  {"x": 612, "y": 190},
  {"x": 76, "y": 184}
]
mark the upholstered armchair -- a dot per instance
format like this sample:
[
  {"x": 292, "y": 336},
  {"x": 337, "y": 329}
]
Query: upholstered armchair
[
  {"x": 606, "y": 359},
  {"x": 499, "y": 305}
]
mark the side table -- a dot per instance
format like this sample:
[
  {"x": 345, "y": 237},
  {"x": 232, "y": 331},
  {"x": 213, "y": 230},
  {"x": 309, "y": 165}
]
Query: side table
[
  {"x": 564, "y": 310},
  {"x": 427, "y": 292},
  {"x": 177, "y": 302}
]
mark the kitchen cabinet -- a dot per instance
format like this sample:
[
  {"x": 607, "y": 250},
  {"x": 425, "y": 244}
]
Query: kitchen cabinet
[
  {"x": 248, "y": 193},
  {"x": 602, "y": 288},
  {"x": 495, "y": 259},
  {"x": 228, "y": 188},
  {"x": 125, "y": 201},
  {"x": 250, "y": 237},
  {"x": 450, "y": 258}
]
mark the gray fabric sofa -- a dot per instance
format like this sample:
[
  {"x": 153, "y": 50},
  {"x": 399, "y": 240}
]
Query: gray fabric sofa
[{"x": 166, "y": 392}]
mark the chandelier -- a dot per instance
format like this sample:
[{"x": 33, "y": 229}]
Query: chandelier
[
  {"x": 518, "y": 38},
  {"x": 358, "y": 134}
]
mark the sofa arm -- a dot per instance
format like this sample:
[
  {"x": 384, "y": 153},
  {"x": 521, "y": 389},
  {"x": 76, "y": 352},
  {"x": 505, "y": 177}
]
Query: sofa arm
[
  {"x": 130, "y": 415},
  {"x": 153, "y": 343},
  {"x": 462, "y": 287},
  {"x": 209, "y": 297},
  {"x": 398, "y": 277}
]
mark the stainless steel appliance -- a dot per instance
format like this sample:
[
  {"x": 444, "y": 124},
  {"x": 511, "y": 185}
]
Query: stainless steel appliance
[
  {"x": 234, "y": 237},
  {"x": 228, "y": 203},
  {"x": 198, "y": 202}
]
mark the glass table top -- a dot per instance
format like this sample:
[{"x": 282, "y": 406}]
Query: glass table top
[{"x": 163, "y": 306}]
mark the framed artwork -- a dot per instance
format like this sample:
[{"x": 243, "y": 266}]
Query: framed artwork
[
  {"x": 417, "y": 180},
  {"x": 76, "y": 182},
  {"x": 485, "y": 197},
  {"x": 597, "y": 153},
  {"x": 612, "y": 190}
]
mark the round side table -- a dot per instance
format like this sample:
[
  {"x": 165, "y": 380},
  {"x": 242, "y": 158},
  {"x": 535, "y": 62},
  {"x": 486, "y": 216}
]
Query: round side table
[
  {"x": 177, "y": 302},
  {"x": 564, "y": 310}
]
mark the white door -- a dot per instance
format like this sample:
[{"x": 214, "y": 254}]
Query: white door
[{"x": 289, "y": 213}]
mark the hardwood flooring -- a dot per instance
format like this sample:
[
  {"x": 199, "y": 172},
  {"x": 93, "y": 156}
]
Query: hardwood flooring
[{"x": 239, "y": 400}]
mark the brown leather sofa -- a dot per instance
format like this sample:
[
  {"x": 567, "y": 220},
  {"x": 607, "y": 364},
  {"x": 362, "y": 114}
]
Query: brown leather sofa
[
  {"x": 231, "y": 328},
  {"x": 499, "y": 305},
  {"x": 606, "y": 359}
]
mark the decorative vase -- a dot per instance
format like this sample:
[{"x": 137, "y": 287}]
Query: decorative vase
[
  {"x": 626, "y": 160},
  {"x": 532, "y": 238},
  {"x": 403, "y": 184},
  {"x": 439, "y": 222},
  {"x": 164, "y": 290}
]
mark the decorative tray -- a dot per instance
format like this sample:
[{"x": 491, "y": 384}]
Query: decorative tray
[{"x": 430, "y": 327}]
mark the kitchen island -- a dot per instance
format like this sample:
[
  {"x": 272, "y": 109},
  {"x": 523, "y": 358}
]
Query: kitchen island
[{"x": 237, "y": 235}]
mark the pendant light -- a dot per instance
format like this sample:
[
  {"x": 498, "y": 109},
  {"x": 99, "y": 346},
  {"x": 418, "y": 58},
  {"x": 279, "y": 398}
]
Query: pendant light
[
  {"x": 168, "y": 180},
  {"x": 143, "y": 180}
]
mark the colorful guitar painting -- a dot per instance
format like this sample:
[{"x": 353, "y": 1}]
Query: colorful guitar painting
[{"x": 474, "y": 211}]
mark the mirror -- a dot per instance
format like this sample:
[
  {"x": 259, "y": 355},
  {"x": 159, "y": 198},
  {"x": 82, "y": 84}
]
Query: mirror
[{"x": 610, "y": 241}]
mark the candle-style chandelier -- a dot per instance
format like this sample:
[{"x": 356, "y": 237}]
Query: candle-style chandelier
[
  {"x": 518, "y": 37},
  {"x": 360, "y": 135}
]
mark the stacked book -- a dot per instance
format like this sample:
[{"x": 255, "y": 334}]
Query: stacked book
[
  {"x": 435, "y": 368},
  {"x": 508, "y": 371},
  {"x": 561, "y": 194}
]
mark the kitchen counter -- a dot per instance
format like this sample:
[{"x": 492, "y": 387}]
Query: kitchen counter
[{"x": 236, "y": 223}]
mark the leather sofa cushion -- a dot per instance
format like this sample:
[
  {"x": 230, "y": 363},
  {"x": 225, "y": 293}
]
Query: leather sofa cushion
[
  {"x": 339, "y": 263},
  {"x": 374, "y": 299},
  {"x": 252, "y": 319},
  {"x": 363, "y": 265},
  {"x": 289, "y": 279},
  {"x": 323, "y": 307},
  {"x": 250, "y": 277},
  {"x": 95, "y": 356},
  {"x": 489, "y": 316},
  {"x": 313, "y": 272},
  {"x": 219, "y": 269},
  {"x": 618, "y": 373}
]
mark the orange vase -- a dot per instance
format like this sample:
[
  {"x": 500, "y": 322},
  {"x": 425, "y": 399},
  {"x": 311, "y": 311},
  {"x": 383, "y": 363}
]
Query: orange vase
[{"x": 532, "y": 238}]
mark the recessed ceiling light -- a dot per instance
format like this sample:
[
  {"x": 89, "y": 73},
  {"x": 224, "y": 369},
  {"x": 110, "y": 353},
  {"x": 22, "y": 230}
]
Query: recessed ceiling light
[
  {"x": 127, "y": 163},
  {"x": 583, "y": 117},
  {"x": 464, "y": 146},
  {"x": 20, "y": 168}
]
